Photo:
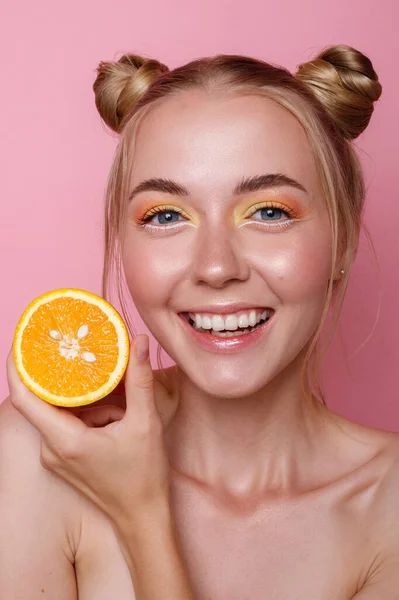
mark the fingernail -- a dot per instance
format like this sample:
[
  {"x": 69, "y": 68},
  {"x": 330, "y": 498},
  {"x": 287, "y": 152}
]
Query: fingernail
[{"x": 142, "y": 348}]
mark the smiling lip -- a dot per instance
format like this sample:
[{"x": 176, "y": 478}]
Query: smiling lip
[
  {"x": 225, "y": 345},
  {"x": 225, "y": 309}
]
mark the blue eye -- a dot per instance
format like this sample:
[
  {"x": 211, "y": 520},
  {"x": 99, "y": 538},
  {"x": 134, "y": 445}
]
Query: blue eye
[
  {"x": 165, "y": 217},
  {"x": 169, "y": 216},
  {"x": 271, "y": 214}
]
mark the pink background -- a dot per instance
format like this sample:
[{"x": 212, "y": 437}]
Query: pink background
[{"x": 55, "y": 153}]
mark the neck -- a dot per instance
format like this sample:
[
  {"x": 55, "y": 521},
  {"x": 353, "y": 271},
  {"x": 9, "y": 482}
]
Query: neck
[{"x": 243, "y": 446}]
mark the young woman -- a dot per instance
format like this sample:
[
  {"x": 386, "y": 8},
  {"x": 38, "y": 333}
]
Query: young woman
[{"x": 233, "y": 213}]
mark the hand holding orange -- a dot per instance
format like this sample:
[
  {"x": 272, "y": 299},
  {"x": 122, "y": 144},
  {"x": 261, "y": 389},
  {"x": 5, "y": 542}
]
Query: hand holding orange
[{"x": 121, "y": 466}]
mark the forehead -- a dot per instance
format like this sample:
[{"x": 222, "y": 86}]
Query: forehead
[{"x": 208, "y": 143}]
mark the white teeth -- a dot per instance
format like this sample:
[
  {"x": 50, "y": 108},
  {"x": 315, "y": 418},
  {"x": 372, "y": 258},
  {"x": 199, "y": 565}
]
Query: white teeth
[
  {"x": 252, "y": 318},
  {"x": 206, "y": 323},
  {"x": 243, "y": 321},
  {"x": 217, "y": 322},
  {"x": 231, "y": 323}
]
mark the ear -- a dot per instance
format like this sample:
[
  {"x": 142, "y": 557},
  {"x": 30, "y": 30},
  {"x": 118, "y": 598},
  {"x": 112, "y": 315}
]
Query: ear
[{"x": 343, "y": 264}]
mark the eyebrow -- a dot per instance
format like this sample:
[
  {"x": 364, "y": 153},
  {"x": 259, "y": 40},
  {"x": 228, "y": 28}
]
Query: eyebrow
[{"x": 247, "y": 184}]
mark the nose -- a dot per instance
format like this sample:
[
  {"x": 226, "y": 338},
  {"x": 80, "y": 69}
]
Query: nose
[{"x": 218, "y": 258}]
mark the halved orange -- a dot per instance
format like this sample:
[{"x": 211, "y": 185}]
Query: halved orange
[{"x": 71, "y": 347}]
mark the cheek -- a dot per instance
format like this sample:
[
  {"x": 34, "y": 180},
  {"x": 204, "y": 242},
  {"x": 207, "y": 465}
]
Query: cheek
[
  {"x": 297, "y": 268},
  {"x": 151, "y": 272}
]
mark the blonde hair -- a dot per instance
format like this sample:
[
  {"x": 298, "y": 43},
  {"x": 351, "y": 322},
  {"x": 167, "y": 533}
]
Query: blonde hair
[{"x": 331, "y": 96}]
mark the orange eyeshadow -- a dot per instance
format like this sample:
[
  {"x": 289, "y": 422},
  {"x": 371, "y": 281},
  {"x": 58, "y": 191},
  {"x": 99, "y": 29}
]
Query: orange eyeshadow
[{"x": 295, "y": 208}]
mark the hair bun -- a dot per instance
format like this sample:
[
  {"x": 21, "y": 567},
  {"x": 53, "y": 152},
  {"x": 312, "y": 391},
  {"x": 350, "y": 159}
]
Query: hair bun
[
  {"x": 119, "y": 86},
  {"x": 344, "y": 81}
]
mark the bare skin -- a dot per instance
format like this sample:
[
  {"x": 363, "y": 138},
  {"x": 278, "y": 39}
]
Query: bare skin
[
  {"x": 322, "y": 541},
  {"x": 273, "y": 496}
]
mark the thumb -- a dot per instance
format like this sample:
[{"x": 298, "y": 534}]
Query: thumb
[{"x": 139, "y": 380}]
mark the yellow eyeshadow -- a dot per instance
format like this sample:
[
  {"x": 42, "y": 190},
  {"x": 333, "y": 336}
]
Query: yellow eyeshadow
[{"x": 294, "y": 210}]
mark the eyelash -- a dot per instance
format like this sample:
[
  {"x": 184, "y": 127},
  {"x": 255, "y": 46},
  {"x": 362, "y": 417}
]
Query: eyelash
[{"x": 144, "y": 220}]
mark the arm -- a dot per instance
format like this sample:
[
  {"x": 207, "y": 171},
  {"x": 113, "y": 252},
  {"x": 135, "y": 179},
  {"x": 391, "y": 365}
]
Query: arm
[
  {"x": 36, "y": 561},
  {"x": 151, "y": 547}
]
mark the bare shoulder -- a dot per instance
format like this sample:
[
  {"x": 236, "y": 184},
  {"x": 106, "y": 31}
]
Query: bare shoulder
[
  {"x": 382, "y": 520},
  {"x": 24, "y": 478},
  {"x": 37, "y": 533},
  {"x": 376, "y": 451},
  {"x": 49, "y": 532},
  {"x": 369, "y": 459},
  {"x": 366, "y": 441},
  {"x": 388, "y": 498}
]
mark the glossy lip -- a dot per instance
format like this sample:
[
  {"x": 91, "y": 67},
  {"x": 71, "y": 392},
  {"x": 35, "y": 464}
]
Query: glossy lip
[
  {"x": 225, "y": 309},
  {"x": 226, "y": 345}
]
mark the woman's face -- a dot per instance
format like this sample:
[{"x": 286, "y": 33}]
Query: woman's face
[{"x": 214, "y": 250}]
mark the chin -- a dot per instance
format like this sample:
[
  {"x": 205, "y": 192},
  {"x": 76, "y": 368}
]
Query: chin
[{"x": 229, "y": 381}]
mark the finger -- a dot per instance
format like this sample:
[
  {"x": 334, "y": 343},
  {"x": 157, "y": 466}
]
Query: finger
[
  {"x": 100, "y": 416},
  {"x": 48, "y": 459},
  {"x": 139, "y": 380},
  {"x": 51, "y": 421}
]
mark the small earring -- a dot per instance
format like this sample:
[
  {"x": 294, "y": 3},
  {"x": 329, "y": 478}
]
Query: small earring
[{"x": 342, "y": 271}]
